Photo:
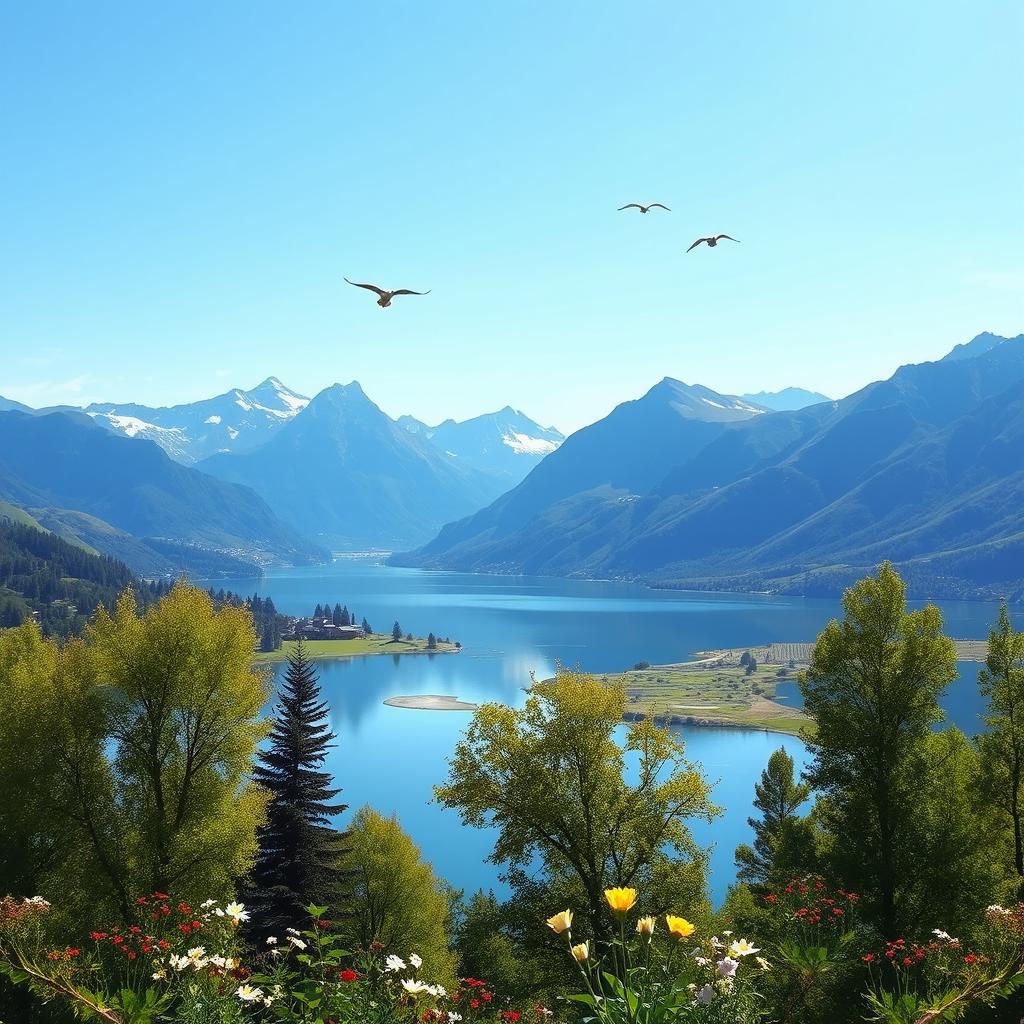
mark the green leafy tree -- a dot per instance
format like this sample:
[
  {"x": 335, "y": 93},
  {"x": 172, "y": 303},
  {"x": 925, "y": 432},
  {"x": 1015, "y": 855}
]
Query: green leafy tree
[
  {"x": 298, "y": 859},
  {"x": 551, "y": 779},
  {"x": 872, "y": 688},
  {"x": 778, "y": 798},
  {"x": 1002, "y": 746},
  {"x": 149, "y": 724},
  {"x": 396, "y": 897}
]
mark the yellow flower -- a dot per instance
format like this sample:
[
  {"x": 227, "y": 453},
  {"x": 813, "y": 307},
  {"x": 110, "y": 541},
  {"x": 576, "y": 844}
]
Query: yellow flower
[
  {"x": 620, "y": 900},
  {"x": 560, "y": 922},
  {"x": 679, "y": 927},
  {"x": 581, "y": 952},
  {"x": 645, "y": 927}
]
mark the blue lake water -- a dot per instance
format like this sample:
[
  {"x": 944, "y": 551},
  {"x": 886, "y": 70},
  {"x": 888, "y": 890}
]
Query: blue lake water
[{"x": 512, "y": 626}]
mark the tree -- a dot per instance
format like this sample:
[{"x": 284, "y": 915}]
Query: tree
[
  {"x": 872, "y": 689},
  {"x": 745, "y": 658},
  {"x": 318, "y": 611},
  {"x": 431, "y": 642},
  {"x": 778, "y": 798},
  {"x": 297, "y": 863},
  {"x": 366, "y": 627},
  {"x": 346, "y": 617},
  {"x": 1002, "y": 746},
  {"x": 551, "y": 779},
  {"x": 396, "y": 631},
  {"x": 336, "y": 616},
  {"x": 396, "y": 897},
  {"x": 149, "y": 724},
  {"x": 751, "y": 666}
]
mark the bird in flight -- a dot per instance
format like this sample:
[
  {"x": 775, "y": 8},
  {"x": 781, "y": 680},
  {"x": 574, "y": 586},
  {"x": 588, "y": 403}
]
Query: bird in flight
[
  {"x": 644, "y": 209},
  {"x": 712, "y": 241},
  {"x": 385, "y": 297}
]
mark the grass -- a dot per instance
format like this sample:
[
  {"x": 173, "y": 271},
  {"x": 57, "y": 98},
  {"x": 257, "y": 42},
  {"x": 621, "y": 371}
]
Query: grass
[
  {"x": 715, "y": 695},
  {"x": 375, "y": 643}
]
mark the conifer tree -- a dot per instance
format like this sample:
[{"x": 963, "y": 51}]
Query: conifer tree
[
  {"x": 298, "y": 859},
  {"x": 778, "y": 797},
  {"x": 336, "y": 616},
  {"x": 318, "y": 612},
  {"x": 396, "y": 631},
  {"x": 366, "y": 627}
]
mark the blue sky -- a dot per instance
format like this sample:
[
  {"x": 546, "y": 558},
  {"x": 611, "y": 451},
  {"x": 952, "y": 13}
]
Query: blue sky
[{"x": 182, "y": 187}]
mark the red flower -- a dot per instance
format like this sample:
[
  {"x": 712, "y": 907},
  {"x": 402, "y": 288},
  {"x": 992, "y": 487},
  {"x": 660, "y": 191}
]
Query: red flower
[
  {"x": 868, "y": 957},
  {"x": 141, "y": 901},
  {"x": 486, "y": 996},
  {"x": 907, "y": 961},
  {"x": 97, "y": 936},
  {"x": 196, "y": 925},
  {"x": 160, "y": 896},
  {"x": 135, "y": 930},
  {"x": 771, "y": 898},
  {"x": 970, "y": 959},
  {"x": 323, "y": 924},
  {"x": 475, "y": 1004},
  {"x": 510, "y": 1015},
  {"x": 348, "y": 975}
]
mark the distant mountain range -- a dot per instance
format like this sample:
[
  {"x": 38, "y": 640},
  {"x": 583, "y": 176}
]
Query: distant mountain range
[
  {"x": 787, "y": 400},
  {"x": 335, "y": 467},
  {"x": 127, "y": 498},
  {"x": 348, "y": 475},
  {"x": 235, "y": 421},
  {"x": 686, "y": 488}
]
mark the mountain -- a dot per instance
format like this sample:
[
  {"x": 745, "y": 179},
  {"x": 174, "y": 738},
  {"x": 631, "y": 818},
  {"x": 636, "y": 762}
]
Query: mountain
[
  {"x": 616, "y": 459},
  {"x": 345, "y": 472},
  {"x": 234, "y": 421},
  {"x": 925, "y": 468},
  {"x": 505, "y": 444},
  {"x": 787, "y": 399},
  {"x": 978, "y": 346},
  {"x": 113, "y": 491},
  {"x": 9, "y": 405}
]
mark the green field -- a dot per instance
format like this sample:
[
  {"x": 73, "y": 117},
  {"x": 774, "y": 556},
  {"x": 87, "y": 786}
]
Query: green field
[
  {"x": 712, "y": 695},
  {"x": 375, "y": 643}
]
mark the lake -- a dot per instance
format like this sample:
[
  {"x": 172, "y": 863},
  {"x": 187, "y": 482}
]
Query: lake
[{"x": 511, "y": 626}]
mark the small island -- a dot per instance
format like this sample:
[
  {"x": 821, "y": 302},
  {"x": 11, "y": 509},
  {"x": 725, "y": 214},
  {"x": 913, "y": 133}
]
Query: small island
[{"x": 431, "y": 702}]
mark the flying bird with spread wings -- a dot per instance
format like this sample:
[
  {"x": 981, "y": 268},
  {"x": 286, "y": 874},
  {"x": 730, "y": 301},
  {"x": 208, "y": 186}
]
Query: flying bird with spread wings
[
  {"x": 642, "y": 208},
  {"x": 712, "y": 241},
  {"x": 384, "y": 296}
]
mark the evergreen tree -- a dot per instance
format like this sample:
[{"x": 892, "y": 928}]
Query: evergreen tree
[
  {"x": 431, "y": 642},
  {"x": 336, "y": 616},
  {"x": 396, "y": 631},
  {"x": 318, "y": 611},
  {"x": 346, "y": 619},
  {"x": 366, "y": 627},
  {"x": 779, "y": 796},
  {"x": 1002, "y": 746},
  {"x": 298, "y": 859}
]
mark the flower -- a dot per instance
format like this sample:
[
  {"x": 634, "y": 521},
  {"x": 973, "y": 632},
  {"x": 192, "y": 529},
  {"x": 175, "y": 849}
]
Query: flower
[
  {"x": 415, "y": 960},
  {"x": 237, "y": 913},
  {"x": 249, "y": 993},
  {"x": 762, "y": 963},
  {"x": 271, "y": 940},
  {"x": 740, "y": 947},
  {"x": 297, "y": 943},
  {"x": 678, "y": 927},
  {"x": 970, "y": 959},
  {"x": 348, "y": 975},
  {"x": 645, "y": 927},
  {"x": 620, "y": 900},
  {"x": 159, "y": 975},
  {"x": 581, "y": 952},
  {"x": 868, "y": 957},
  {"x": 413, "y": 986},
  {"x": 705, "y": 995},
  {"x": 727, "y": 967},
  {"x": 196, "y": 953},
  {"x": 394, "y": 963},
  {"x": 560, "y": 922}
]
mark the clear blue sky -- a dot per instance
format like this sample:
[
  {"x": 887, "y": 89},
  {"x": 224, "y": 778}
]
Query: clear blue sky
[{"x": 182, "y": 187}]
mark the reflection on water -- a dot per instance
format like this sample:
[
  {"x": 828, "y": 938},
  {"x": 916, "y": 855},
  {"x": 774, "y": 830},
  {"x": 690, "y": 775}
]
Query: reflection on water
[{"x": 512, "y": 626}]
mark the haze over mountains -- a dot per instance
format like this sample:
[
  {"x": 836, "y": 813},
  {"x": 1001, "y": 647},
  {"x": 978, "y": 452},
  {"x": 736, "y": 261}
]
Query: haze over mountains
[{"x": 926, "y": 468}]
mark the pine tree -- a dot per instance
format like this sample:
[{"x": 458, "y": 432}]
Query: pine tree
[
  {"x": 431, "y": 642},
  {"x": 336, "y": 617},
  {"x": 318, "y": 612},
  {"x": 779, "y": 796},
  {"x": 298, "y": 859},
  {"x": 346, "y": 619},
  {"x": 366, "y": 627},
  {"x": 396, "y": 631}
]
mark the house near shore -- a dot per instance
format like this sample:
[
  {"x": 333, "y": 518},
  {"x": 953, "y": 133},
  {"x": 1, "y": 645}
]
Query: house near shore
[{"x": 322, "y": 629}]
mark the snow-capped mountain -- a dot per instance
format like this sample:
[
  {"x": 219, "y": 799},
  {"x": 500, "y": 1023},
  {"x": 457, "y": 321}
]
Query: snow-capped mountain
[
  {"x": 234, "y": 421},
  {"x": 505, "y": 444}
]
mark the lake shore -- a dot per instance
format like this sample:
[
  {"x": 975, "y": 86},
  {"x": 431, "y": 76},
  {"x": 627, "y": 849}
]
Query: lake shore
[{"x": 362, "y": 647}]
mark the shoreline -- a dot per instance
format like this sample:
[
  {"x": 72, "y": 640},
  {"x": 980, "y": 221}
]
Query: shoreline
[{"x": 373, "y": 646}]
